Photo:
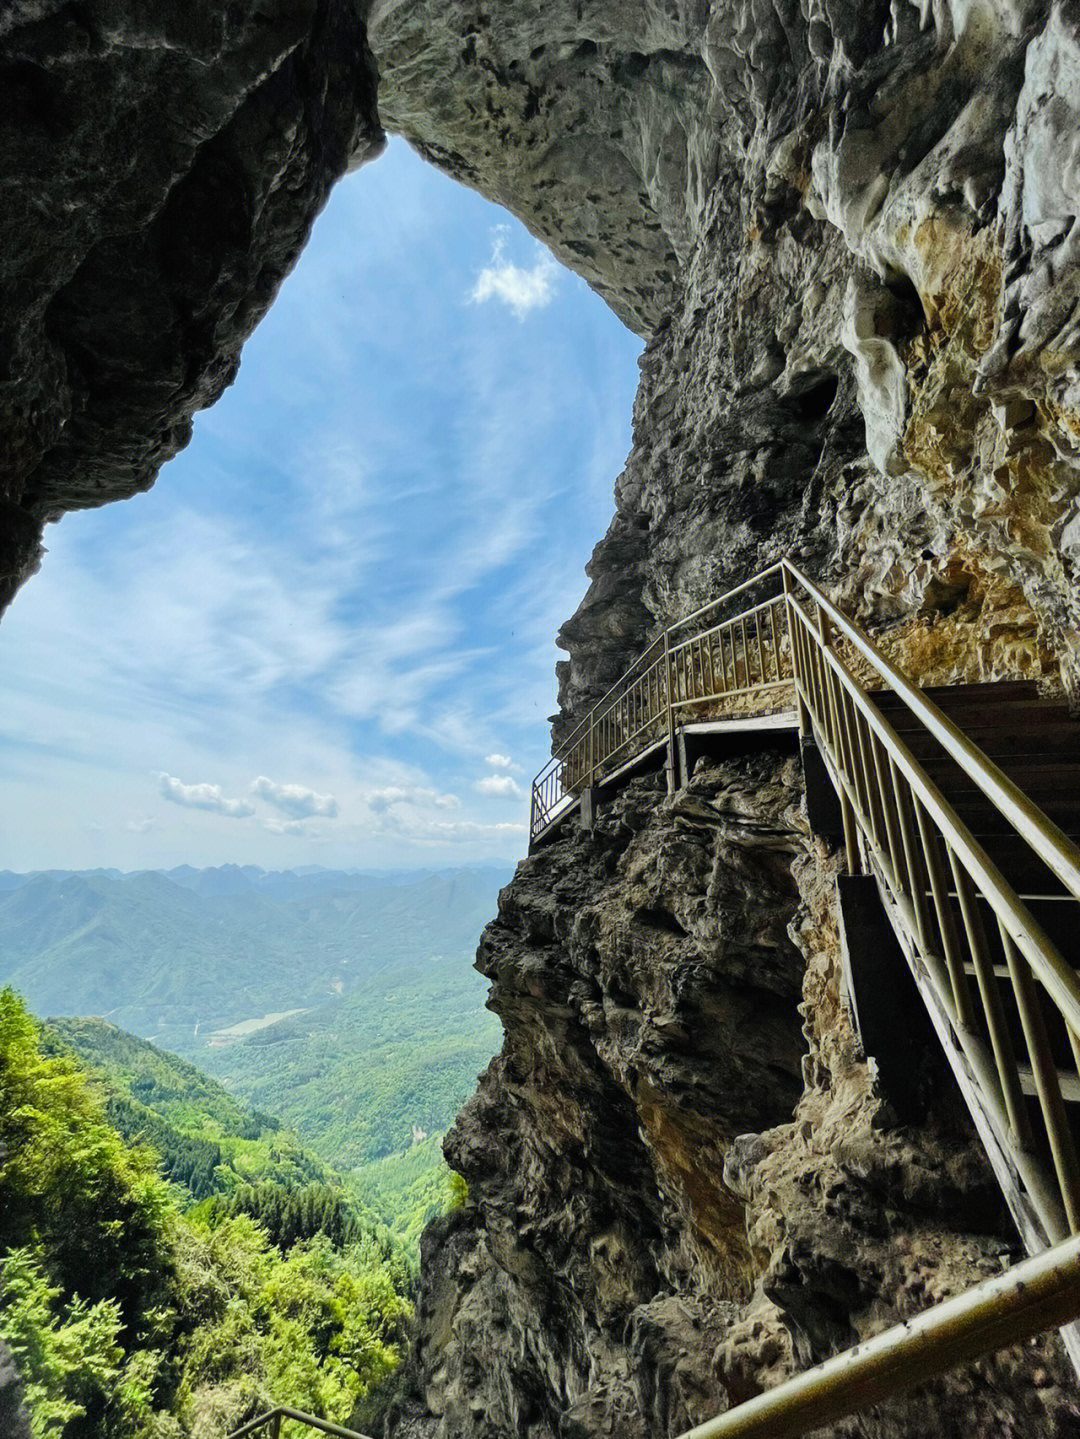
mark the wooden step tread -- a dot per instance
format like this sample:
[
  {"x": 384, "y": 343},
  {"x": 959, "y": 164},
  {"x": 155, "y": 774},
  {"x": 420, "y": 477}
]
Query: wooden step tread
[
  {"x": 1019, "y": 713},
  {"x": 1005, "y": 690},
  {"x": 1070, "y": 1084}
]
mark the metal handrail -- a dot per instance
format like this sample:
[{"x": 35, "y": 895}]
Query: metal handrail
[
  {"x": 938, "y": 885},
  {"x": 1049, "y": 842},
  {"x": 1039, "y": 1294},
  {"x": 272, "y": 1420},
  {"x": 643, "y": 699}
]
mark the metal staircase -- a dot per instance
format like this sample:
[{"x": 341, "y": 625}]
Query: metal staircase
[{"x": 959, "y": 805}]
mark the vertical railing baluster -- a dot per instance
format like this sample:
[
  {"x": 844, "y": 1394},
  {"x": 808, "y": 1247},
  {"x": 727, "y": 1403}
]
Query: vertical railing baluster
[
  {"x": 760, "y": 647},
  {"x": 950, "y": 941},
  {"x": 798, "y": 677},
  {"x": 670, "y": 715},
  {"x": 916, "y": 866},
  {"x": 1047, "y": 1084},
  {"x": 996, "y": 1022}
]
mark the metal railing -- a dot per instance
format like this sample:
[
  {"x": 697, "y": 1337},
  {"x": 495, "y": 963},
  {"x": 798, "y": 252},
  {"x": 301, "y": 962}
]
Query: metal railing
[
  {"x": 1039, "y": 1294},
  {"x": 744, "y": 657},
  {"x": 1003, "y": 1000},
  {"x": 271, "y": 1422}
]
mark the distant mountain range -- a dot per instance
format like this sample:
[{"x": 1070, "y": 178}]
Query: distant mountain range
[{"x": 194, "y": 957}]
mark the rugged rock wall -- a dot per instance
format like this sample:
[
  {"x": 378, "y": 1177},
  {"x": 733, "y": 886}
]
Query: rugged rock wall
[
  {"x": 868, "y": 363},
  {"x": 849, "y": 229},
  {"x": 682, "y": 1182},
  {"x": 160, "y": 167}
]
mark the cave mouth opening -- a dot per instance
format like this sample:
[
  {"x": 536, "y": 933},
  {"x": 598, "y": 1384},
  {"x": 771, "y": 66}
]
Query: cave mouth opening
[{"x": 326, "y": 635}]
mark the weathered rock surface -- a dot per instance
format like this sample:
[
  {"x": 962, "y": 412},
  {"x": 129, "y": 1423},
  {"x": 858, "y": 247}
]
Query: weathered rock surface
[
  {"x": 14, "y": 1423},
  {"x": 160, "y": 167},
  {"x": 649, "y": 993},
  {"x": 850, "y": 232},
  {"x": 591, "y": 122},
  {"x": 641, "y": 1247}
]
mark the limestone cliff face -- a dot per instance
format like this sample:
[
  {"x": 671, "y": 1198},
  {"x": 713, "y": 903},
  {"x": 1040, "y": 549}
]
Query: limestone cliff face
[
  {"x": 682, "y": 1183},
  {"x": 161, "y": 166},
  {"x": 868, "y": 362},
  {"x": 848, "y": 228}
]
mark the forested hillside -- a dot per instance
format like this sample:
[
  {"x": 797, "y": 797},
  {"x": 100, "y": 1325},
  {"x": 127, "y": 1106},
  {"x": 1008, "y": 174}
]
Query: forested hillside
[
  {"x": 198, "y": 957},
  {"x": 208, "y": 1142},
  {"x": 132, "y": 1314},
  {"x": 383, "y": 1035}
]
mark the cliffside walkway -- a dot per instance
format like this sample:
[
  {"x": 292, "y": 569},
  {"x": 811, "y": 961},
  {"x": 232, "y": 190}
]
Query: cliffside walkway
[{"x": 958, "y": 811}]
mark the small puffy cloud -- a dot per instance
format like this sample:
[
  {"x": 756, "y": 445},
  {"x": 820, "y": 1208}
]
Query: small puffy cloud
[
  {"x": 284, "y": 826},
  {"x": 470, "y": 829},
  {"x": 502, "y": 784},
  {"x": 295, "y": 799},
  {"x": 140, "y": 826},
  {"x": 503, "y": 762},
  {"x": 381, "y": 800},
  {"x": 203, "y": 796},
  {"x": 522, "y": 290}
]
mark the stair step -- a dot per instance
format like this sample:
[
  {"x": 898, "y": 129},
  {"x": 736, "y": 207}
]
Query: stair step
[
  {"x": 943, "y": 695},
  {"x": 1039, "y": 776},
  {"x": 981, "y": 818},
  {"x": 973, "y": 714},
  {"x": 1023, "y": 869},
  {"x": 1070, "y": 1084},
  {"x": 998, "y": 741}
]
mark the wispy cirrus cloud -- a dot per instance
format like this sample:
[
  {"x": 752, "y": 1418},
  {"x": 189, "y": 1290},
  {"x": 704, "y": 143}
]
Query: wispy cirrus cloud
[
  {"x": 348, "y": 578},
  {"x": 203, "y": 796},
  {"x": 273, "y": 825},
  {"x": 520, "y": 289},
  {"x": 295, "y": 799}
]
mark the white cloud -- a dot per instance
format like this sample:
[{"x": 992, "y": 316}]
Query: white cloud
[
  {"x": 523, "y": 290},
  {"x": 470, "y": 828},
  {"x": 503, "y": 762},
  {"x": 203, "y": 796},
  {"x": 140, "y": 826},
  {"x": 284, "y": 826},
  {"x": 502, "y": 784},
  {"x": 295, "y": 799},
  {"x": 381, "y": 800}
]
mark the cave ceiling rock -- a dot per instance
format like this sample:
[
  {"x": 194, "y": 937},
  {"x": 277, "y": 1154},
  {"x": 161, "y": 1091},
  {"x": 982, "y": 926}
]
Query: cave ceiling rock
[
  {"x": 590, "y": 122},
  {"x": 161, "y": 166}
]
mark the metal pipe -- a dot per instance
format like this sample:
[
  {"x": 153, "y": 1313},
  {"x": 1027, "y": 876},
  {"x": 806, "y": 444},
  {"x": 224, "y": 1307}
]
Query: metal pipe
[
  {"x": 1047, "y": 1084},
  {"x": 1050, "y": 843},
  {"x": 670, "y": 717},
  {"x": 1036, "y": 1295},
  {"x": 997, "y": 1024},
  {"x": 273, "y": 1419},
  {"x": 323, "y": 1425}
]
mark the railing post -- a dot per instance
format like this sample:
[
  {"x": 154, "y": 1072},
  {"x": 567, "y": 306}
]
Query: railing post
[
  {"x": 847, "y": 814},
  {"x": 800, "y": 705},
  {"x": 670, "y": 715},
  {"x": 275, "y": 1427}
]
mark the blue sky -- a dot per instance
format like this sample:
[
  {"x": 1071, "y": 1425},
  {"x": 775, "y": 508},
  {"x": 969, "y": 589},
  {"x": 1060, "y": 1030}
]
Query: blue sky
[{"x": 326, "y": 635}]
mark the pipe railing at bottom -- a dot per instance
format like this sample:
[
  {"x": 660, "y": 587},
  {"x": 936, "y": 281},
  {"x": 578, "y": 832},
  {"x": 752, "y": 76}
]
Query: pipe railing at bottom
[
  {"x": 1035, "y": 1295},
  {"x": 271, "y": 1422}
]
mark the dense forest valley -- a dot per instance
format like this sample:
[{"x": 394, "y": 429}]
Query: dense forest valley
[{"x": 218, "y": 1151}]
